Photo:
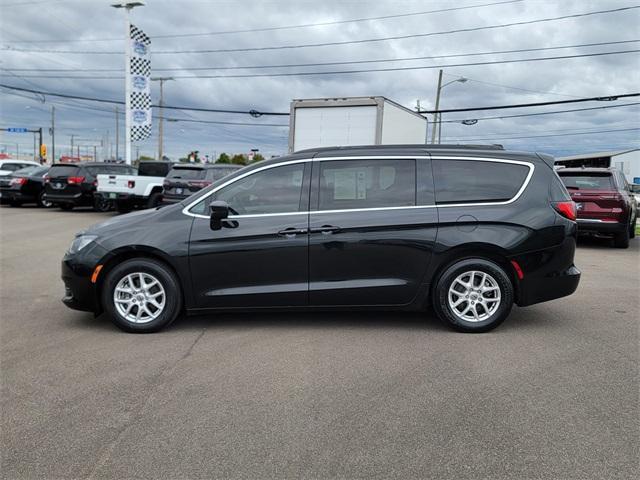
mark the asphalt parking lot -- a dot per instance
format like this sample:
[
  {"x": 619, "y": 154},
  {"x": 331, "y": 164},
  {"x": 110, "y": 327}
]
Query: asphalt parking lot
[{"x": 552, "y": 393}]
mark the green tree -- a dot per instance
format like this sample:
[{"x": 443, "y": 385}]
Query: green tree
[
  {"x": 146, "y": 158},
  {"x": 258, "y": 157},
  {"x": 239, "y": 159},
  {"x": 223, "y": 158}
]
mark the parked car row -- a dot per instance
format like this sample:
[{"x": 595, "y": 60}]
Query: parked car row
[{"x": 104, "y": 185}]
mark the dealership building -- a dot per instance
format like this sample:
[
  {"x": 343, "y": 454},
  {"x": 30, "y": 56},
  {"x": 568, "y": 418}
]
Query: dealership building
[{"x": 626, "y": 160}]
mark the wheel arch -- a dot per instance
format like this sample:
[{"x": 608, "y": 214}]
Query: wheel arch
[
  {"x": 129, "y": 252},
  {"x": 482, "y": 251}
]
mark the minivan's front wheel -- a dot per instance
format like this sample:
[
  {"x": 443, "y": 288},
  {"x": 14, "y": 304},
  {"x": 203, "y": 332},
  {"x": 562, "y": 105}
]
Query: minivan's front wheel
[
  {"x": 473, "y": 295},
  {"x": 141, "y": 296}
]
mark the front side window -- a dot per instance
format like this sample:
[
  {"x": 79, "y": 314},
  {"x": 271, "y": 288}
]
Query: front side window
[
  {"x": 351, "y": 184},
  {"x": 473, "y": 181},
  {"x": 274, "y": 190}
]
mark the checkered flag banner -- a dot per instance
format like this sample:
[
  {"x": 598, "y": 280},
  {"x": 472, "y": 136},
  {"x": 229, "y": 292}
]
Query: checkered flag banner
[{"x": 139, "y": 79}]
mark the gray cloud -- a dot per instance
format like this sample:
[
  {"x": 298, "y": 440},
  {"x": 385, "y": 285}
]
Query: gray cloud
[{"x": 85, "y": 20}]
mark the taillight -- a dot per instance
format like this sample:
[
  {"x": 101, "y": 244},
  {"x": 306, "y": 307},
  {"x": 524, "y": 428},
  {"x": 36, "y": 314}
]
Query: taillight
[
  {"x": 566, "y": 209},
  {"x": 131, "y": 183},
  {"x": 18, "y": 181},
  {"x": 75, "y": 180},
  {"x": 199, "y": 183}
]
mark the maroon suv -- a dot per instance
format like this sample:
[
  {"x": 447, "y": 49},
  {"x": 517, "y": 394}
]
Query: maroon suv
[{"x": 604, "y": 202}]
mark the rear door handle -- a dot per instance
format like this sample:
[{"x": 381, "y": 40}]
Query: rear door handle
[
  {"x": 326, "y": 229},
  {"x": 292, "y": 232}
]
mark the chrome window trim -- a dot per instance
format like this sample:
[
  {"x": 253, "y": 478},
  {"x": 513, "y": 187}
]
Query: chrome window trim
[{"x": 523, "y": 187}]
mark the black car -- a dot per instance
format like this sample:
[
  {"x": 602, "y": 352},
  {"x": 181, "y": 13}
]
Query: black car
[
  {"x": 186, "y": 179},
  {"x": 69, "y": 185},
  {"x": 469, "y": 231},
  {"x": 24, "y": 186}
]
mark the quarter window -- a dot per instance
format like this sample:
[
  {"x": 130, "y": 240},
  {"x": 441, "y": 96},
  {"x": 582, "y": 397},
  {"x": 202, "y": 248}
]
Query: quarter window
[
  {"x": 470, "y": 181},
  {"x": 349, "y": 184}
]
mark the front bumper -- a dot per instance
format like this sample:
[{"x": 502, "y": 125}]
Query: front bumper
[{"x": 79, "y": 292}]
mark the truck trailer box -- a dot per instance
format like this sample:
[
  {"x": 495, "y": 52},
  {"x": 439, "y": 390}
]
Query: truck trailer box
[{"x": 328, "y": 122}]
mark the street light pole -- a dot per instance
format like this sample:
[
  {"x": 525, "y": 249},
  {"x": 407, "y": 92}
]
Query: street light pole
[
  {"x": 127, "y": 6},
  {"x": 437, "y": 117},
  {"x": 53, "y": 133},
  {"x": 160, "y": 111}
]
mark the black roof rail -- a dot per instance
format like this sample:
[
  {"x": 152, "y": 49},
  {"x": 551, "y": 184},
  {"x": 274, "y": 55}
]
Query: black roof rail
[{"x": 425, "y": 146}]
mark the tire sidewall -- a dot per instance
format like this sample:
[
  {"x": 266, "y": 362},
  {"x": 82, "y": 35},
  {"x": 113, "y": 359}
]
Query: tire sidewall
[
  {"x": 441, "y": 294},
  {"x": 173, "y": 302},
  {"x": 42, "y": 202}
]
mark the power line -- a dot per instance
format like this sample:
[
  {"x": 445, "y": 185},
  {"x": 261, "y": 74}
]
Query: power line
[
  {"x": 286, "y": 27},
  {"x": 554, "y": 135},
  {"x": 348, "y": 72},
  {"x": 346, "y": 42},
  {"x": 322, "y": 64},
  {"x": 510, "y": 87},
  {"x": 462, "y": 120}
]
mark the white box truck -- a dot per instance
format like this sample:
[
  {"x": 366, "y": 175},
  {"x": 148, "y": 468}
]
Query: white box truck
[{"x": 328, "y": 122}]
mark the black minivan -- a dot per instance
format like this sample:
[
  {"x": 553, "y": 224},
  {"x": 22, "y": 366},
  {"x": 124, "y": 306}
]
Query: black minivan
[{"x": 467, "y": 230}]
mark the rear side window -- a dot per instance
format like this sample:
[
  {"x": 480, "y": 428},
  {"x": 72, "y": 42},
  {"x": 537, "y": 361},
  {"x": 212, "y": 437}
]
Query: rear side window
[
  {"x": 557, "y": 190},
  {"x": 187, "y": 173},
  {"x": 471, "y": 181},
  {"x": 29, "y": 171},
  {"x": 588, "y": 181},
  {"x": 349, "y": 184},
  {"x": 63, "y": 171}
]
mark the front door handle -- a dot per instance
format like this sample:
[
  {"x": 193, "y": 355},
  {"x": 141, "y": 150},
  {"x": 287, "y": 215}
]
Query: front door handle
[
  {"x": 292, "y": 232},
  {"x": 326, "y": 229}
]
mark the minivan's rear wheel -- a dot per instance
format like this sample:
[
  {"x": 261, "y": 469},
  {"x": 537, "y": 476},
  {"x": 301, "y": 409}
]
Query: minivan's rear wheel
[
  {"x": 473, "y": 295},
  {"x": 141, "y": 295}
]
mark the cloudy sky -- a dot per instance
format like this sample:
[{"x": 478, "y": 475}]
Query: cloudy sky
[{"x": 43, "y": 40}]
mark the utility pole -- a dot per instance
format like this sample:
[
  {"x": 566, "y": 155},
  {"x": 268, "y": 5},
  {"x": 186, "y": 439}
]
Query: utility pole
[
  {"x": 35, "y": 155},
  {"x": 71, "y": 152},
  {"x": 53, "y": 133},
  {"x": 117, "y": 136},
  {"x": 95, "y": 153},
  {"x": 40, "y": 146},
  {"x": 160, "y": 119},
  {"x": 437, "y": 114}
]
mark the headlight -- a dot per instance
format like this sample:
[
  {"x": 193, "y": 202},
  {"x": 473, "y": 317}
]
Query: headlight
[{"x": 80, "y": 242}]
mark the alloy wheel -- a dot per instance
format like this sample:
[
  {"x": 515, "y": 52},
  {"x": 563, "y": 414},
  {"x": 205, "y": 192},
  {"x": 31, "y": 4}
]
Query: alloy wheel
[
  {"x": 474, "y": 296},
  {"x": 139, "y": 297}
]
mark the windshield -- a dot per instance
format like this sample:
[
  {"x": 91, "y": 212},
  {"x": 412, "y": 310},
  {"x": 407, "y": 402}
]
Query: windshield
[{"x": 588, "y": 181}]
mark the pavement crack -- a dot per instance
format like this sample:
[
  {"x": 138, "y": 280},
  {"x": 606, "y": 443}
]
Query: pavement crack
[{"x": 138, "y": 412}]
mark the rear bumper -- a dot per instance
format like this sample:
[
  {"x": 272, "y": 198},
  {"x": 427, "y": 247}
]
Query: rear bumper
[
  {"x": 76, "y": 199},
  {"x": 588, "y": 225},
  {"x": 121, "y": 197},
  {"x": 172, "y": 198},
  {"x": 541, "y": 289}
]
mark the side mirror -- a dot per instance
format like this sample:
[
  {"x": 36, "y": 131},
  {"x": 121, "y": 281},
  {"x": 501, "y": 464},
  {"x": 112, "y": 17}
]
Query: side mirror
[{"x": 219, "y": 210}]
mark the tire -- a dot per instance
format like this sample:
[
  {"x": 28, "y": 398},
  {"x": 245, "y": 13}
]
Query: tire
[
  {"x": 67, "y": 207},
  {"x": 632, "y": 229},
  {"x": 42, "y": 202},
  {"x": 491, "y": 311},
  {"x": 123, "y": 207},
  {"x": 155, "y": 199},
  {"x": 621, "y": 239},
  {"x": 101, "y": 204},
  {"x": 130, "y": 271}
]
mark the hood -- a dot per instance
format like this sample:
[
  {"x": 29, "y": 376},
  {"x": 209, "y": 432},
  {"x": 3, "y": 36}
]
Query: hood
[{"x": 131, "y": 221}]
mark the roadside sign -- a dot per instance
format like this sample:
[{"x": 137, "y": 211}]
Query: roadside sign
[{"x": 17, "y": 129}]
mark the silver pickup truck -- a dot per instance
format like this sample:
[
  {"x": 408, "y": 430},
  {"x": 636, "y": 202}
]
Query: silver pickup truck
[{"x": 135, "y": 191}]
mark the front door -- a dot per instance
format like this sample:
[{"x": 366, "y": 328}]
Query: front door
[
  {"x": 372, "y": 232},
  {"x": 259, "y": 257}
]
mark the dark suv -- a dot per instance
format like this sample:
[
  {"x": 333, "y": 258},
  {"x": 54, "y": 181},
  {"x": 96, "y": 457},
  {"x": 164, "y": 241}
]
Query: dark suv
[
  {"x": 185, "y": 179},
  {"x": 604, "y": 201},
  {"x": 469, "y": 231},
  {"x": 69, "y": 185}
]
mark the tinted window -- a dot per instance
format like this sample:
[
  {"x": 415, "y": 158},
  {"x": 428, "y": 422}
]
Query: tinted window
[
  {"x": 187, "y": 173},
  {"x": 63, "y": 170},
  {"x": 218, "y": 173},
  {"x": 275, "y": 190},
  {"x": 587, "y": 181},
  {"x": 30, "y": 171},
  {"x": 153, "y": 169},
  {"x": 469, "y": 181},
  {"x": 347, "y": 184},
  {"x": 557, "y": 191},
  {"x": 113, "y": 169},
  {"x": 12, "y": 167}
]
